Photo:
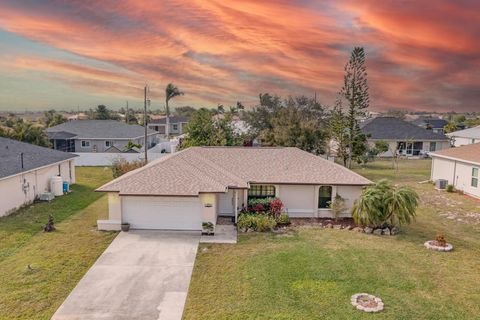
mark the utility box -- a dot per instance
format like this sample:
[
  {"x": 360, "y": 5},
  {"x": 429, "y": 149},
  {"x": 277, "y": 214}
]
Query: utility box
[
  {"x": 441, "y": 184},
  {"x": 46, "y": 196}
]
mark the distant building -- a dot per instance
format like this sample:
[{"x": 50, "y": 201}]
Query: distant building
[
  {"x": 26, "y": 171},
  {"x": 97, "y": 136},
  {"x": 403, "y": 137},
  {"x": 177, "y": 125},
  {"x": 463, "y": 137},
  {"x": 435, "y": 124}
]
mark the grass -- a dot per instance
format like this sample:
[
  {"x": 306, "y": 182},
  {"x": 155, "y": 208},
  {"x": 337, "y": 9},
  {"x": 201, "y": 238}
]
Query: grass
[
  {"x": 58, "y": 260},
  {"x": 311, "y": 273}
]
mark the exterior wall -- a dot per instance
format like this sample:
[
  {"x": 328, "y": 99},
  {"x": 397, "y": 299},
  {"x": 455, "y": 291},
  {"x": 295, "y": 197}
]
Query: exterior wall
[
  {"x": 458, "y": 173},
  {"x": 210, "y": 207},
  {"x": 106, "y": 158},
  {"x": 301, "y": 201},
  {"x": 120, "y": 144},
  {"x": 14, "y": 195},
  {"x": 392, "y": 145},
  {"x": 114, "y": 206},
  {"x": 459, "y": 141}
]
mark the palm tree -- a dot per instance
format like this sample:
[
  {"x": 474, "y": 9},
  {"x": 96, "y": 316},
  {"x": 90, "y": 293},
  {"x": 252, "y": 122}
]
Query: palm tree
[
  {"x": 170, "y": 92},
  {"x": 383, "y": 203}
]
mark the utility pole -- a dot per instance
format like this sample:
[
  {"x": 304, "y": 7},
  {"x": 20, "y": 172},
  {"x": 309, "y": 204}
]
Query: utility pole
[
  {"x": 145, "y": 122},
  {"x": 126, "y": 114}
]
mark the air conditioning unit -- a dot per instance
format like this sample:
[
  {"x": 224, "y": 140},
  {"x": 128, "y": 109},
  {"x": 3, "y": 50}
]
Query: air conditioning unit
[
  {"x": 441, "y": 184},
  {"x": 46, "y": 196}
]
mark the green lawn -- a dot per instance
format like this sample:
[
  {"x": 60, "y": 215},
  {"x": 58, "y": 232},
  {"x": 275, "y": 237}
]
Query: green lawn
[
  {"x": 58, "y": 259},
  {"x": 312, "y": 272}
]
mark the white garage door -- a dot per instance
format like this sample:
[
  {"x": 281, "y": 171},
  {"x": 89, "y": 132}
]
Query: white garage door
[{"x": 168, "y": 213}]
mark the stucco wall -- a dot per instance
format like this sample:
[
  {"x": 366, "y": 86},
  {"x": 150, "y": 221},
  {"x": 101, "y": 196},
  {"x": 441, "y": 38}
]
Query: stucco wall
[
  {"x": 120, "y": 144},
  {"x": 210, "y": 207},
  {"x": 114, "y": 206},
  {"x": 392, "y": 144},
  {"x": 37, "y": 181},
  {"x": 459, "y": 141},
  {"x": 458, "y": 173}
]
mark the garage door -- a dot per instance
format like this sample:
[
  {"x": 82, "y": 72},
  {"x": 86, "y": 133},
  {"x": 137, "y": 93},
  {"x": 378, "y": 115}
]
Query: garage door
[{"x": 167, "y": 213}]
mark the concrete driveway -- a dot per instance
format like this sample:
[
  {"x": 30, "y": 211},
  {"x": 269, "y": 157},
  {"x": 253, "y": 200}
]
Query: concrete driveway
[{"x": 141, "y": 275}]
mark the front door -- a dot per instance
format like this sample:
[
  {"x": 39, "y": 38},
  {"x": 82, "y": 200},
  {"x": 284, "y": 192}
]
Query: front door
[{"x": 226, "y": 203}]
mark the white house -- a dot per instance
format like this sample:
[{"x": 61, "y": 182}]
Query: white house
[
  {"x": 26, "y": 171},
  {"x": 463, "y": 137},
  {"x": 184, "y": 189},
  {"x": 460, "y": 166}
]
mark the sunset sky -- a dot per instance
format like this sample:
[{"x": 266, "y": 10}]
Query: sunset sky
[{"x": 421, "y": 55}]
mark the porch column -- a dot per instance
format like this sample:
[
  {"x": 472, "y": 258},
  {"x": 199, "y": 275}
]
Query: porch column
[{"x": 235, "y": 206}]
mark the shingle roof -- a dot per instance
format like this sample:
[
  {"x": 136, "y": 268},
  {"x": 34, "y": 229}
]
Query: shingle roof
[
  {"x": 390, "y": 128},
  {"x": 434, "y": 122},
  {"x": 98, "y": 129},
  {"x": 33, "y": 157},
  {"x": 213, "y": 169},
  {"x": 173, "y": 119},
  {"x": 472, "y": 133},
  {"x": 469, "y": 152}
]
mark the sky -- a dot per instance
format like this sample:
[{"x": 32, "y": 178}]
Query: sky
[{"x": 421, "y": 55}]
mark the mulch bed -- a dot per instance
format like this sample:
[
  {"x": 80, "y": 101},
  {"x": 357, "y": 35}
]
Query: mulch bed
[{"x": 322, "y": 222}]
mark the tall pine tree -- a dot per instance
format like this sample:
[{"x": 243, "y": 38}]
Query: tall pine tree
[{"x": 354, "y": 94}]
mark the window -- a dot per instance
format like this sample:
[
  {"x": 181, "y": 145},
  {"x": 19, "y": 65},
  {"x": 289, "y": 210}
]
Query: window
[
  {"x": 473, "y": 141},
  {"x": 175, "y": 127},
  {"x": 474, "y": 177},
  {"x": 85, "y": 144},
  {"x": 433, "y": 146},
  {"x": 259, "y": 191},
  {"x": 324, "y": 197},
  {"x": 108, "y": 144}
]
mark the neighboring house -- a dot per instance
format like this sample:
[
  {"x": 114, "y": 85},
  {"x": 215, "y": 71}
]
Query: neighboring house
[
  {"x": 26, "y": 171},
  {"x": 97, "y": 135},
  {"x": 463, "y": 137},
  {"x": 177, "y": 125},
  {"x": 460, "y": 166},
  {"x": 403, "y": 137},
  {"x": 198, "y": 184},
  {"x": 435, "y": 124}
]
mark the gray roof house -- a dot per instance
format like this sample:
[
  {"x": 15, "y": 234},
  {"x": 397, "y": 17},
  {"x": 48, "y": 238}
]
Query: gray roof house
[
  {"x": 404, "y": 138},
  {"x": 434, "y": 124},
  {"x": 177, "y": 125},
  {"x": 97, "y": 136},
  {"x": 26, "y": 170}
]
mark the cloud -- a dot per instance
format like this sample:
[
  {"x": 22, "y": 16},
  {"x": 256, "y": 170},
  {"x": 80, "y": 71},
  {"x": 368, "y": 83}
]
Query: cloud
[{"x": 419, "y": 56}]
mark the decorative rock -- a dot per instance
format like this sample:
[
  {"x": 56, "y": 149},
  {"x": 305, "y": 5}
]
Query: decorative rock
[
  {"x": 337, "y": 226},
  {"x": 329, "y": 225},
  {"x": 368, "y": 230},
  {"x": 386, "y": 231},
  {"x": 378, "y": 232},
  {"x": 394, "y": 231},
  {"x": 349, "y": 227},
  {"x": 432, "y": 246},
  {"x": 366, "y": 302},
  {"x": 357, "y": 229}
]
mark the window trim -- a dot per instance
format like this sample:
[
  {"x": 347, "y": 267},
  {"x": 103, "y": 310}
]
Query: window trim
[
  {"x": 318, "y": 197},
  {"x": 261, "y": 194},
  {"x": 110, "y": 142},
  {"x": 474, "y": 177},
  {"x": 175, "y": 126},
  {"x": 83, "y": 143}
]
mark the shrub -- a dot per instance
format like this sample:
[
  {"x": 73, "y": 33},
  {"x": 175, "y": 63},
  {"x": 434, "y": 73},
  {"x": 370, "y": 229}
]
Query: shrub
[
  {"x": 276, "y": 207},
  {"x": 283, "y": 219},
  {"x": 121, "y": 166},
  {"x": 260, "y": 222},
  {"x": 338, "y": 206},
  {"x": 450, "y": 188},
  {"x": 383, "y": 203}
]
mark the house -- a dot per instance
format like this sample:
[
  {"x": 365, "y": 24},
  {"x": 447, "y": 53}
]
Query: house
[
  {"x": 198, "y": 184},
  {"x": 460, "y": 167},
  {"x": 437, "y": 125},
  {"x": 26, "y": 171},
  {"x": 97, "y": 135},
  {"x": 463, "y": 137},
  {"x": 403, "y": 138},
  {"x": 177, "y": 125}
]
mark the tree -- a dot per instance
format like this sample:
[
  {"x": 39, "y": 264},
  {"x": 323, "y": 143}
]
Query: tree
[
  {"x": 27, "y": 132},
  {"x": 293, "y": 122},
  {"x": 355, "y": 94},
  {"x": 450, "y": 127},
  {"x": 171, "y": 91},
  {"x": 338, "y": 132},
  {"x": 101, "y": 113},
  {"x": 52, "y": 118},
  {"x": 337, "y": 206},
  {"x": 382, "y": 203},
  {"x": 130, "y": 145},
  {"x": 185, "y": 111}
]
